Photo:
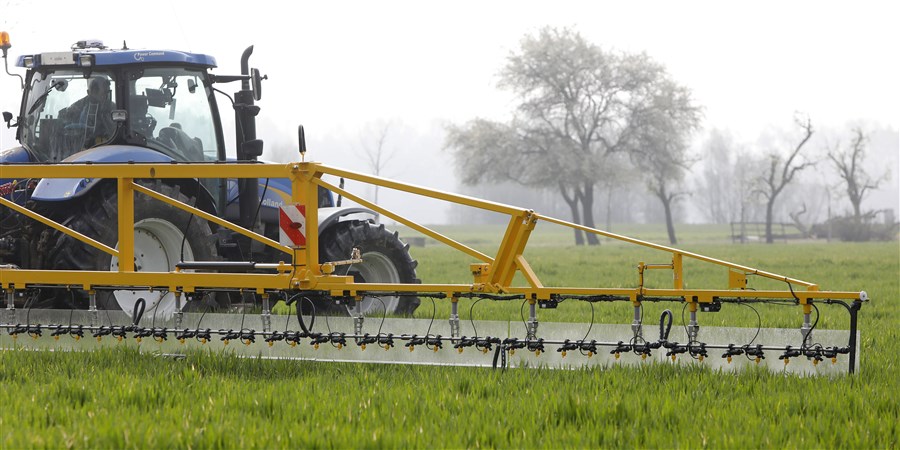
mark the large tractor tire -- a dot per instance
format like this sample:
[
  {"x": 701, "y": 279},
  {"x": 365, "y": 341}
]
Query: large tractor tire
[
  {"x": 385, "y": 258},
  {"x": 159, "y": 231}
]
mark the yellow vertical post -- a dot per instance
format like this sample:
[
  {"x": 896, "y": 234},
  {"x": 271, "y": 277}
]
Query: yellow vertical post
[
  {"x": 126, "y": 224},
  {"x": 678, "y": 270},
  {"x": 297, "y": 195},
  {"x": 304, "y": 192}
]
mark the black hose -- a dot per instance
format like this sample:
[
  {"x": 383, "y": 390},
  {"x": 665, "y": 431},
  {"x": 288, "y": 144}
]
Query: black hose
[
  {"x": 258, "y": 206},
  {"x": 138, "y": 311},
  {"x": 312, "y": 320},
  {"x": 664, "y": 328},
  {"x": 500, "y": 353}
]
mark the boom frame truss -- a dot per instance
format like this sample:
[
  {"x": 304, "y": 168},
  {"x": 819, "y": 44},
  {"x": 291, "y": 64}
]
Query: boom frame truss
[{"x": 302, "y": 270}]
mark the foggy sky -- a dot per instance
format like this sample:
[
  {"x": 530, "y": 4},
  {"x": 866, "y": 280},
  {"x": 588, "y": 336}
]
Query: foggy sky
[{"x": 339, "y": 68}]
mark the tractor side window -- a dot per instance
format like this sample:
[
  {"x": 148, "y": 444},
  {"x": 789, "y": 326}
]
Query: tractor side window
[
  {"x": 172, "y": 110},
  {"x": 66, "y": 113}
]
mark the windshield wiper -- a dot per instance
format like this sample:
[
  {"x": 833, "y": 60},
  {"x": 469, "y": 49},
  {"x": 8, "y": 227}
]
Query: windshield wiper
[{"x": 43, "y": 98}]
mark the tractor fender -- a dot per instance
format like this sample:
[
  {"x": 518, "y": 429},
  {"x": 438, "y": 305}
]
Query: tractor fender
[
  {"x": 329, "y": 217},
  {"x": 60, "y": 189}
]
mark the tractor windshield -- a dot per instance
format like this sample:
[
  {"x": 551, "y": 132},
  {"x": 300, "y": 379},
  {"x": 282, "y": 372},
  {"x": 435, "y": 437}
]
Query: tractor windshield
[
  {"x": 66, "y": 112},
  {"x": 169, "y": 110}
]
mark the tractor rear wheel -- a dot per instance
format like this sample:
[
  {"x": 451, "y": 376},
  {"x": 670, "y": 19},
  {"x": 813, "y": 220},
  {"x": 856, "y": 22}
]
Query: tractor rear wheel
[
  {"x": 385, "y": 258},
  {"x": 159, "y": 232}
]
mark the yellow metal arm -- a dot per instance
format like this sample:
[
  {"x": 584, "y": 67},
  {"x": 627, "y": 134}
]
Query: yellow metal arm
[
  {"x": 221, "y": 222},
  {"x": 422, "y": 229},
  {"x": 26, "y": 212},
  {"x": 675, "y": 251},
  {"x": 493, "y": 275}
]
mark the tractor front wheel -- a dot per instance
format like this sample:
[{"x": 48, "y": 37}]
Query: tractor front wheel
[{"x": 385, "y": 258}]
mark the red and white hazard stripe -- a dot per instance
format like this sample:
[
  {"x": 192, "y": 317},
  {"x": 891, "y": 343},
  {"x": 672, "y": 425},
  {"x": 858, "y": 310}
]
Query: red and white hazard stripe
[{"x": 292, "y": 225}]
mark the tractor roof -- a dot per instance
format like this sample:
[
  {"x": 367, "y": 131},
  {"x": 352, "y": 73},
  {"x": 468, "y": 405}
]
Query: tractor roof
[{"x": 93, "y": 53}]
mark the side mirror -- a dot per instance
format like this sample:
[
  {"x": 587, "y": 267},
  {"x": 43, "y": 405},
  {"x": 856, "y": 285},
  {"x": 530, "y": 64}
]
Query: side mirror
[
  {"x": 252, "y": 149},
  {"x": 158, "y": 98},
  {"x": 256, "y": 83},
  {"x": 7, "y": 117}
]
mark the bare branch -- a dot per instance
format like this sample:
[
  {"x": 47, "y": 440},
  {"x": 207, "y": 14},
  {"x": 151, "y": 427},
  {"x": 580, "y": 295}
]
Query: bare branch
[
  {"x": 849, "y": 166},
  {"x": 788, "y": 170}
]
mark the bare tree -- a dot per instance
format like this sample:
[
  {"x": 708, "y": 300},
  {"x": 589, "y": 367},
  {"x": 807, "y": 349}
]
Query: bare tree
[
  {"x": 491, "y": 151},
  {"x": 620, "y": 174},
  {"x": 798, "y": 222},
  {"x": 661, "y": 147},
  {"x": 848, "y": 163},
  {"x": 719, "y": 185},
  {"x": 577, "y": 106},
  {"x": 376, "y": 154},
  {"x": 780, "y": 173}
]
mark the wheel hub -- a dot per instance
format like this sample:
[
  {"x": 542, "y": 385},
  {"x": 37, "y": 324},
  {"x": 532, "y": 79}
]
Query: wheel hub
[
  {"x": 376, "y": 268},
  {"x": 157, "y": 248}
]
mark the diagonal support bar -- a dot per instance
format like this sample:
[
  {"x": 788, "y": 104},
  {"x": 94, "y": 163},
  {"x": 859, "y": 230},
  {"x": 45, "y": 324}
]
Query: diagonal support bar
[
  {"x": 26, "y": 212},
  {"x": 212, "y": 218},
  {"x": 423, "y": 191},
  {"x": 422, "y": 229},
  {"x": 511, "y": 248},
  {"x": 675, "y": 251}
]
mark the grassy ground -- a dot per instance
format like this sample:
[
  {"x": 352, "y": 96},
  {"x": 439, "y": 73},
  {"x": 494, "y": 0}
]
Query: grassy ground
[{"x": 122, "y": 399}]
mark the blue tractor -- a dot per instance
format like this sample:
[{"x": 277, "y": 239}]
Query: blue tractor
[{"x": 101, "y": 105}]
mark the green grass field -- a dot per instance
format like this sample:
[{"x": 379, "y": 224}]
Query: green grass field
[{"x": 120, "y": 398}]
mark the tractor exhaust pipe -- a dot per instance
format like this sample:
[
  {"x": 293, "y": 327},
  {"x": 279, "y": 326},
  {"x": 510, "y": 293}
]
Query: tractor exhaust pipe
[{"x": 248, "y": 147}]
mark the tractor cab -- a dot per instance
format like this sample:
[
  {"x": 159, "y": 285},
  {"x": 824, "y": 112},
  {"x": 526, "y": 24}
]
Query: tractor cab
[{"x": 93, "y": 96}]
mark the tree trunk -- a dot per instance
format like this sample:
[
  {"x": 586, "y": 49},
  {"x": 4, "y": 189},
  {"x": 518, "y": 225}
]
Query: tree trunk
[
  {"x": 666, "y": 200},
  {"x": 576, "y": 218},
  {"x": 670, "y": 226},
  {"x": 609, "y": 193},
  {"x": 795, "y": 217},
  {"x": 856, "y": 201},
  {"x": 769, "y": 206},
  {"x": 587, "y": 207}
]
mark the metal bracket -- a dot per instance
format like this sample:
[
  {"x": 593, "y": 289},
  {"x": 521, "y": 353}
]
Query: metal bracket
[
  {"x": 693, "y": 328},
  {"x": 454, "y": 319},
  {"x": 806, "y": 330},
  {"x": 358, "y": 317},
  {"x": 358, "y": 324},
  {"x": 10, "y": 306},
  {"x": 531, "y": 327},
  {"x": 92, "y": 307},
  {"x": 266, "y": 314},
  {"x": 636, "y": 326},
  {"x": 355, "y": 258},
  {"x": 179, "y": 315}
]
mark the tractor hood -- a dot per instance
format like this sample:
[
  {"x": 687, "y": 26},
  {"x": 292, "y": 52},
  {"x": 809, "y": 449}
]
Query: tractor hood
[
  {"x": 12, "y": 156},
  {"x": 15, "y": 155},
  {"x": 57, "y": 189}
]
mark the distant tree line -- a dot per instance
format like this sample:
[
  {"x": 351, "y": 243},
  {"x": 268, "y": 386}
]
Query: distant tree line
[{"x": 607, "y": 130}]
